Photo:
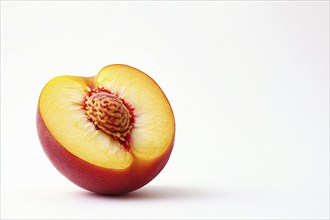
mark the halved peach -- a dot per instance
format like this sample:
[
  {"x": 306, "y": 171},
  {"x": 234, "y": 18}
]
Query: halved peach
[{"x": 111, "y": 133}]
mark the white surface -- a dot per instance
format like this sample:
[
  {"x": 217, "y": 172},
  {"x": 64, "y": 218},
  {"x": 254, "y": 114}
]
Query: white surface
[{"x": 248, "y": 82}]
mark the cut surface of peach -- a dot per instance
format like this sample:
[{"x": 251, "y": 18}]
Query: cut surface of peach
[{"x": 147, "y": 134}]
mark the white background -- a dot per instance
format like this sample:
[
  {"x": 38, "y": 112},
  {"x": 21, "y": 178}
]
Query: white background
[{"x": 248, "y": 83}]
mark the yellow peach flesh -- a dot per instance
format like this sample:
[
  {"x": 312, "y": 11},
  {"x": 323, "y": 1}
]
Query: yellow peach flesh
[{"x": 61, "y": 107}]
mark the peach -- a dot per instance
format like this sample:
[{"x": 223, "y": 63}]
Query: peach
[{"x": 111, "y": 133}]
